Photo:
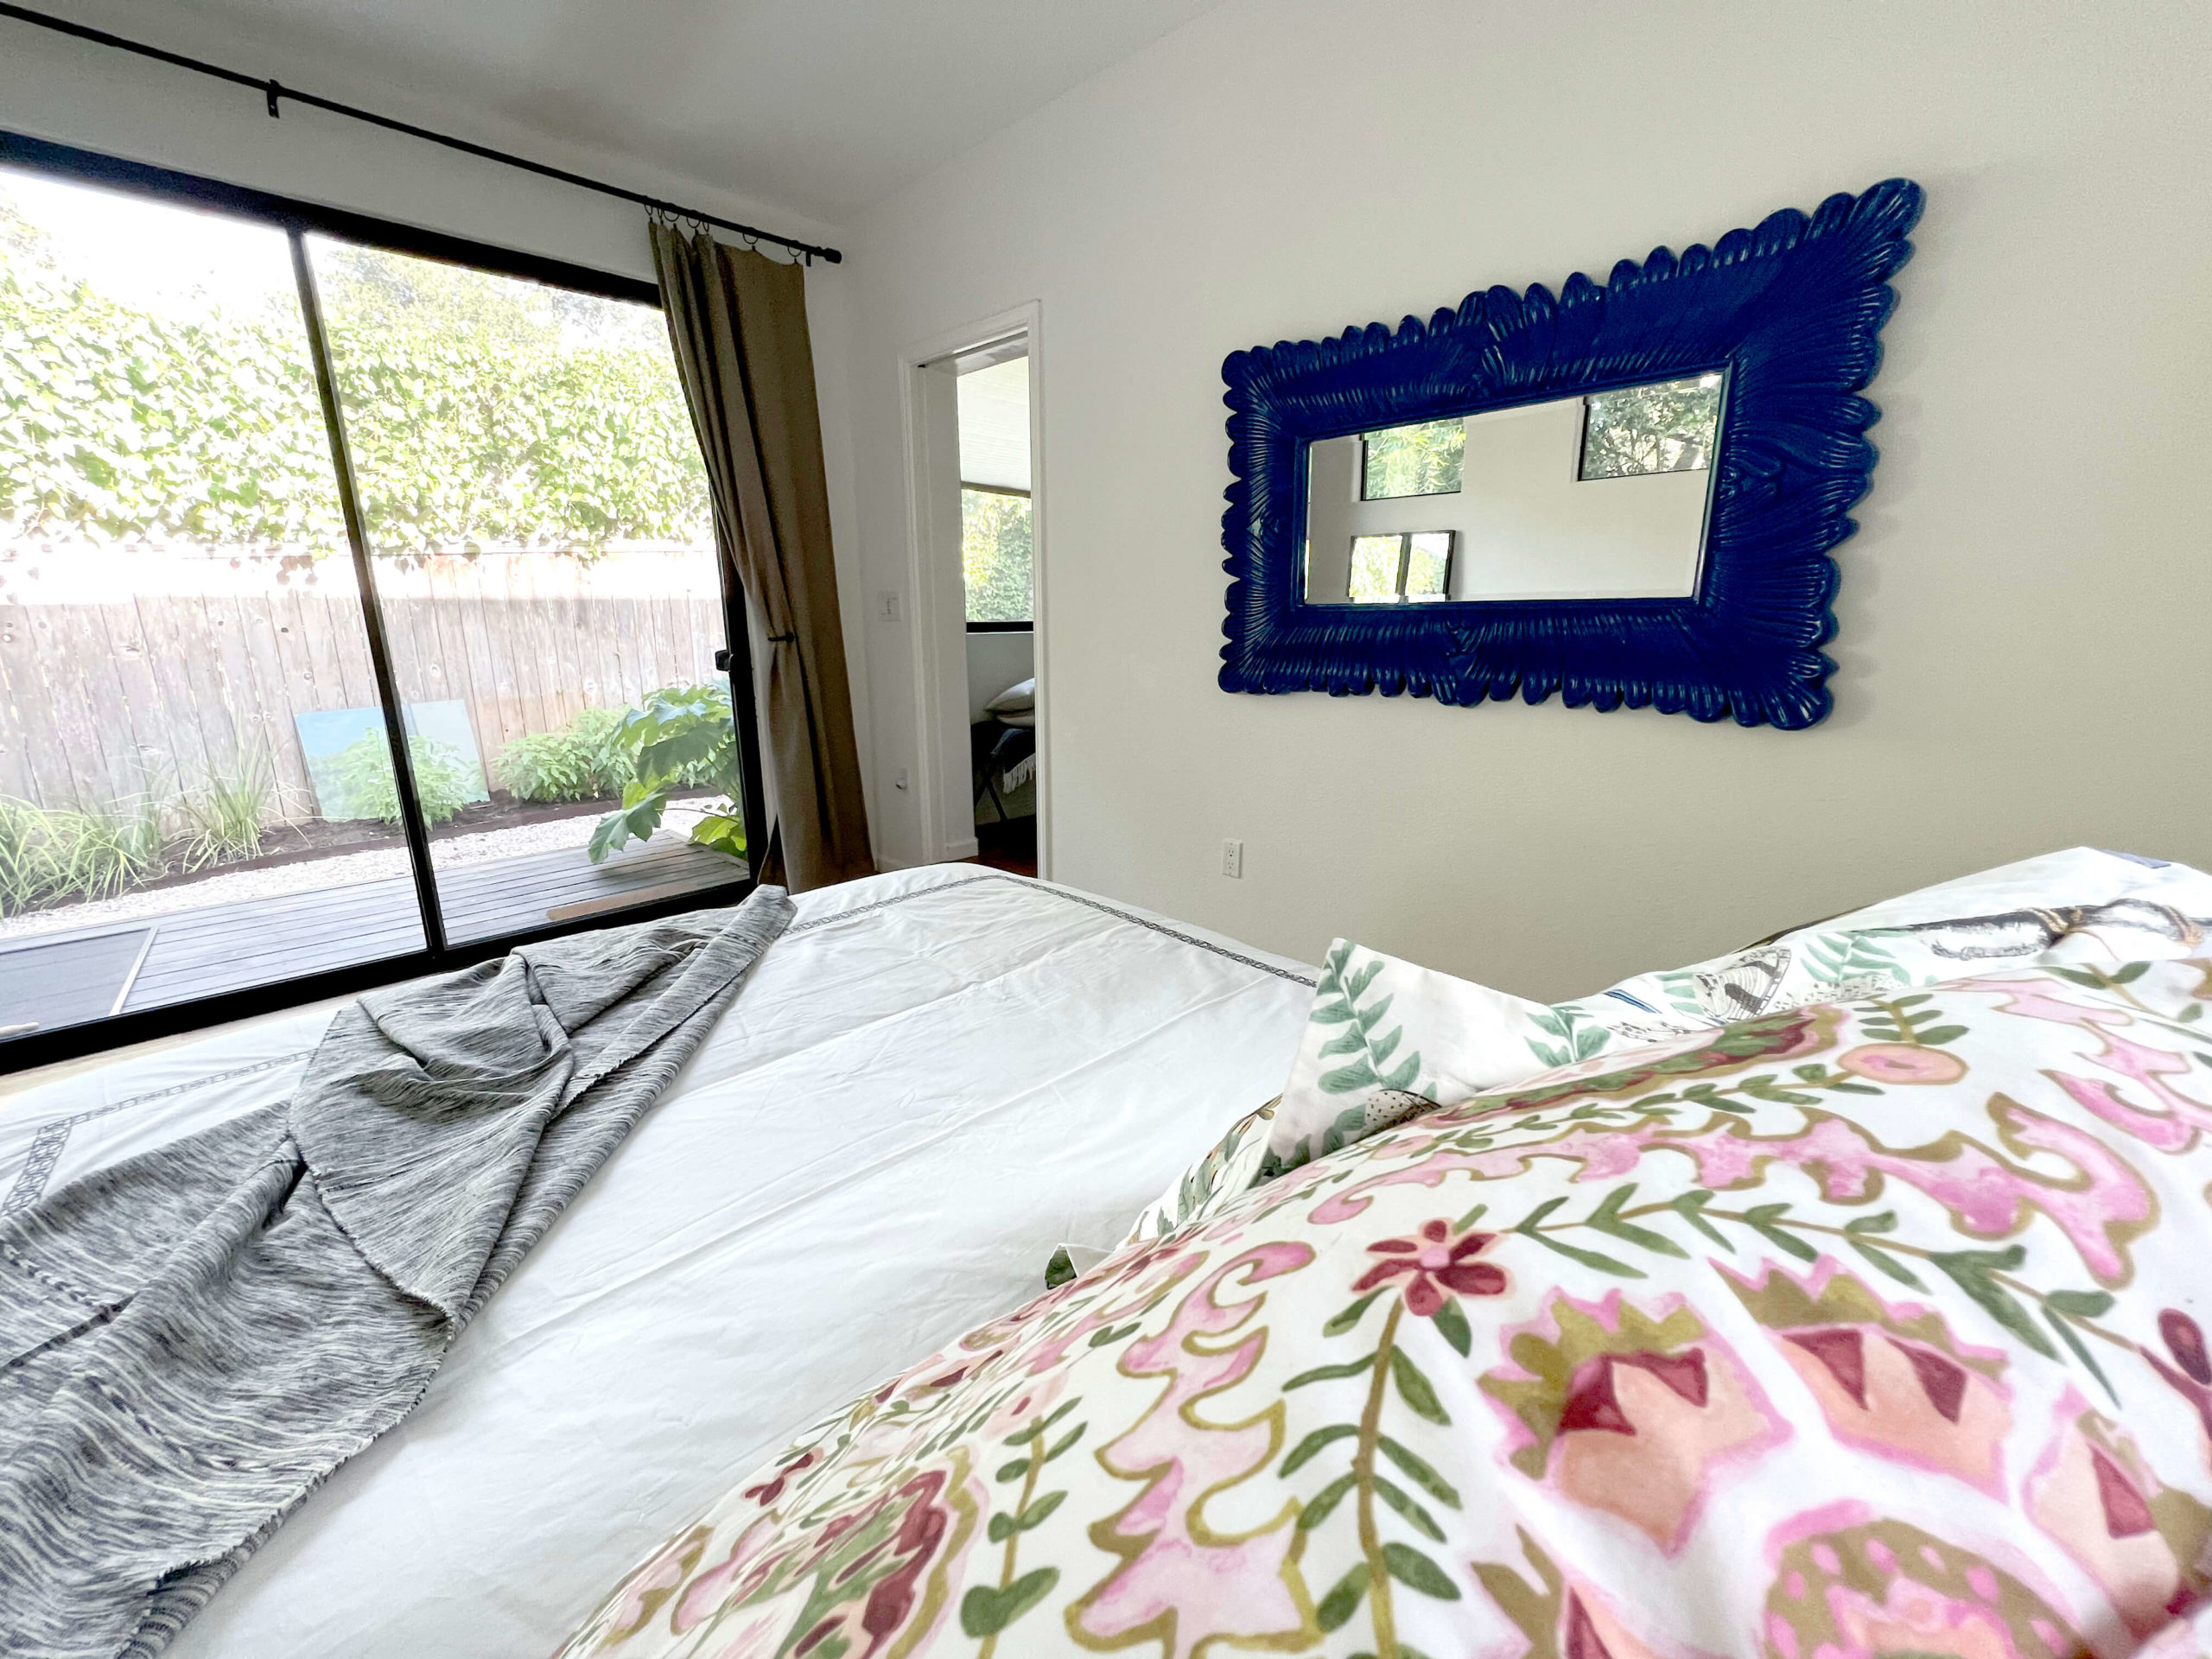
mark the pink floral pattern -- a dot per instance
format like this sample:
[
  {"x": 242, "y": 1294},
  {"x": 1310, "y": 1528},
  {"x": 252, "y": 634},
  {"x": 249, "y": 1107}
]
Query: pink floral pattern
[
  {"x": 1437, "y": 1265},
  {"x": 1867, "y": 1329}
]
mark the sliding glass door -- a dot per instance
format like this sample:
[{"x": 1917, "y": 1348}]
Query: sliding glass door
[
  {"x": 264, "y": 491},
  {"x": 535, "y": 507}
]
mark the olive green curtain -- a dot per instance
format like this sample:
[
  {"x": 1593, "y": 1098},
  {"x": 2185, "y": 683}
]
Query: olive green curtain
[{"x": 738, "y": 320}]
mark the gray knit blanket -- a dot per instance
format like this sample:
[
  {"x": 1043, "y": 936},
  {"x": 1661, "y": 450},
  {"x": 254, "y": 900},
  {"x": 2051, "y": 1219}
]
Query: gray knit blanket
[{"x": 192, "y": 1340}]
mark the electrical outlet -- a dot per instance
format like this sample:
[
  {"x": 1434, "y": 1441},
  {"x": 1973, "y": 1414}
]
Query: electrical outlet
[
  {"x": 1232, "y": 858},
  {"x": 888, "y": 607}
]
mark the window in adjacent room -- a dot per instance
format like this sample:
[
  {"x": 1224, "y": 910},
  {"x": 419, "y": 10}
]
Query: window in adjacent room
[
  {"x": 1386, "y": 569},
  {"x": 1427, "y": 459},
  {"x": 997, "y": 553},
  {"x": 1668, "y": 427}
]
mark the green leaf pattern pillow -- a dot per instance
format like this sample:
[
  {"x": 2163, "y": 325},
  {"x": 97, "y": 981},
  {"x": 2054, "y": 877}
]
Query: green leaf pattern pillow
[{"x": 1388, "y": 1039}]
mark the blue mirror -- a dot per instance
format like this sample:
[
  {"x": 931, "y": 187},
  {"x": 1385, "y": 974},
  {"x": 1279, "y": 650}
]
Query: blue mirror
[{"x": 1625, "y": 495}]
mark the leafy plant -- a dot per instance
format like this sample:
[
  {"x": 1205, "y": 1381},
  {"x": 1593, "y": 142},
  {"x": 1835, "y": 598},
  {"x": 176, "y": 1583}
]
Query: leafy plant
[
  {"x": 95, "y": 851},
  {"x": 32, "y": 867},
  {"x": 113, "y": 845},
  {"x": 117, "y": 421},
  {"x": 681, "y": 736},
  {"x": 360, "y": 777},
  {"x": 223, "y": 818},
  {"x": 579, "y": 762}
]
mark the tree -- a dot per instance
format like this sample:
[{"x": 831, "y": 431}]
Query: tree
[{"x": 997, "y": 556}]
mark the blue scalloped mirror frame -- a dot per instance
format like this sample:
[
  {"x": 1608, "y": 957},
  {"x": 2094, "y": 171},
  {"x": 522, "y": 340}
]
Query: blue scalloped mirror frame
[{"x": 1792, "y": 311}]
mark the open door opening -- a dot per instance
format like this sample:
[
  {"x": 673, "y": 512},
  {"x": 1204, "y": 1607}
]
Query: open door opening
[
  {"x": 998, "y": 582},
  {"x": 980, "y": 589}
]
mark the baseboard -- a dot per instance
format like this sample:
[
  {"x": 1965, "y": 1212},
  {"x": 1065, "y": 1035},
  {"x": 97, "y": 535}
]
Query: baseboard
[{"x": 956, "y": 850}]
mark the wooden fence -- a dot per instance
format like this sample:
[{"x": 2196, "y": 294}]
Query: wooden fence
[{"x": 122, "y": 669}]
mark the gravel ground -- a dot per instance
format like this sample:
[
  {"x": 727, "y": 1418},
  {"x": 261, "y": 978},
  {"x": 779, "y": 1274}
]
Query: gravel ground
[{"x": 345, "y": 870}]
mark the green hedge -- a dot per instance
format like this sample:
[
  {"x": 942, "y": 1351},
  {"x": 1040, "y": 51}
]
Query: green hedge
[{"x": 117, "y": 423}]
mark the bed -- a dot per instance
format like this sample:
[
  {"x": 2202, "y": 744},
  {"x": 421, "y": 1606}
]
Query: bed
[
  {"x": 933, "y": 1080},
  {"x": 1840, "y": 1298}
]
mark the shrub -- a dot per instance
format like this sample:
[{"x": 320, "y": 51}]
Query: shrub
[
  {"x": 113, "y": 846},
  {"x": 223, "y": 817},
  {"x": 116, "y": 423},
  {"x": 47, "y": 853},
  {"x": 360, "y": 777},
  {"x": 32, "y": 868},
  {"x": 579, "y": 762}
]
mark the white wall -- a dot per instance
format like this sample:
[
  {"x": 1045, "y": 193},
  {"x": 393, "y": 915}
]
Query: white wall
[
  {"x": 69, "y": 93},
  {"x": 1529, "y": 525},
  {"x": 2026, "y": 615}
]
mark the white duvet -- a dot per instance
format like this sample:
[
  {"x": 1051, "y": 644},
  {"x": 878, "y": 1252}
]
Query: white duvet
[{"x": 933, "y": 1079}]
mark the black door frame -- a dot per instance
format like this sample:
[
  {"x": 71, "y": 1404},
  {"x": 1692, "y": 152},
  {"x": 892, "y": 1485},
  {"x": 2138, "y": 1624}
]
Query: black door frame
[{"x": 299, "y": 220}]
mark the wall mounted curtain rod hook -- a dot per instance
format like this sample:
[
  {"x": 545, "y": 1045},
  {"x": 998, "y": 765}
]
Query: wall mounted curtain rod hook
[{"x": 274, "y": 92}]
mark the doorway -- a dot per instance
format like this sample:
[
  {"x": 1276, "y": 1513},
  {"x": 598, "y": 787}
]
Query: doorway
[{"x": 978, "y": 547}]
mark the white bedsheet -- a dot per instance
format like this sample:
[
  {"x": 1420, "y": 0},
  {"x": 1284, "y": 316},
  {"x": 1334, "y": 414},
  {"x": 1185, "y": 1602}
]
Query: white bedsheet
[{"x": 931, "y": 1080}]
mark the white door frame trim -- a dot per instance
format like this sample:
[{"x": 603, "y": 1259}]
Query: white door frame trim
[{"x": 941, "y": 751}]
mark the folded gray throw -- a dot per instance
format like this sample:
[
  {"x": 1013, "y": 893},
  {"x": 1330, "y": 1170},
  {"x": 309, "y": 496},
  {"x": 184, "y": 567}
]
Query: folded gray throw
[{"x": 192, "y": 1340}]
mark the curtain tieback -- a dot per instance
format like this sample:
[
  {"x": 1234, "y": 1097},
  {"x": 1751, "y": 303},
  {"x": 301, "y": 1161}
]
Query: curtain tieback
[{"x": 783, "y": 639}]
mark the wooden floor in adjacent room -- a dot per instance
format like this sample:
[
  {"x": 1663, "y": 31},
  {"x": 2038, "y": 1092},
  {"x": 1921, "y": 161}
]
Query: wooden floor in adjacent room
[{"x": 1011, "y": 845}]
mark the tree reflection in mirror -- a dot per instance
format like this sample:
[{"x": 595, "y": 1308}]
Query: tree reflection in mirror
[{"x": 1666, "y": 427}]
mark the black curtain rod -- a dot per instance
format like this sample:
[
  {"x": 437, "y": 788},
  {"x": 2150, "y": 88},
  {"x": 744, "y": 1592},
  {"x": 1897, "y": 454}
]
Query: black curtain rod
[{"x": 273, "y": 92}]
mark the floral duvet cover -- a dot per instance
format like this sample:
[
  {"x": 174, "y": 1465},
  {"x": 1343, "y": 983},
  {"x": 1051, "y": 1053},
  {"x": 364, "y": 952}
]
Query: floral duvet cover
[{"x": 1871, "y": 1328}]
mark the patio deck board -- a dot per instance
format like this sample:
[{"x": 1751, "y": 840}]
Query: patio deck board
[{"x": 259, "y": 941}]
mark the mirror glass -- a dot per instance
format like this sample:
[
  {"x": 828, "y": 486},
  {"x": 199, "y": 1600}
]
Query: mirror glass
[{"x": 1598, "y": 496}]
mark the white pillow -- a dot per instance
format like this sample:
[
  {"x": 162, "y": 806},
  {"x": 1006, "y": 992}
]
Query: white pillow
[
  {"x": 1016, "y": 699},
  {"x": 1388, "y": 1039}
]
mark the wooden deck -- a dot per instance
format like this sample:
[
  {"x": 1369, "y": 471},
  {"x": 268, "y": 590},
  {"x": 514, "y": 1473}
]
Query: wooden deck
[{"x": 59, "y": 979}]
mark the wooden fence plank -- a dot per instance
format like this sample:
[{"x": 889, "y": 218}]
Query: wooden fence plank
[
  {"x": 258, "y": 626},
  {"x": 525, "y": 649},
  {"x": 168, "y": 644},
  {"x": 41, "y": 766},
  {"x": 137, "y": 706}
]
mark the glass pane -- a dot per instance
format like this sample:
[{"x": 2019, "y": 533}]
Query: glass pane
[
  {"x": 1666, "y": 427},
  {"x": 1423, "y": 460},
  {"x": 1375, "y": 561},
  {"x": 995, "y": 556},
  {"x": 177, "y": 612},
  {"x": 1429, "y": 565},
  {"x": 547, "y": 575}
]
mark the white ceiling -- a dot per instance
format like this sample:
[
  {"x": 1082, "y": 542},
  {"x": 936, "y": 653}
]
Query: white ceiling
[
  {"x": 823, "y": 106},
  {"x": 994, "y": 425}
]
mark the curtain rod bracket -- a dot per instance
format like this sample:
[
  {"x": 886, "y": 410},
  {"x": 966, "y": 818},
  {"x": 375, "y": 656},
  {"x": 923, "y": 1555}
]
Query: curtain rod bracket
[{"x": 274, "y": 93}]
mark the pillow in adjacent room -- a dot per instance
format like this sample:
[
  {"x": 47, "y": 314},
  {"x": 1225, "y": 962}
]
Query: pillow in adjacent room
[{"x": 1015, "y": 699}]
